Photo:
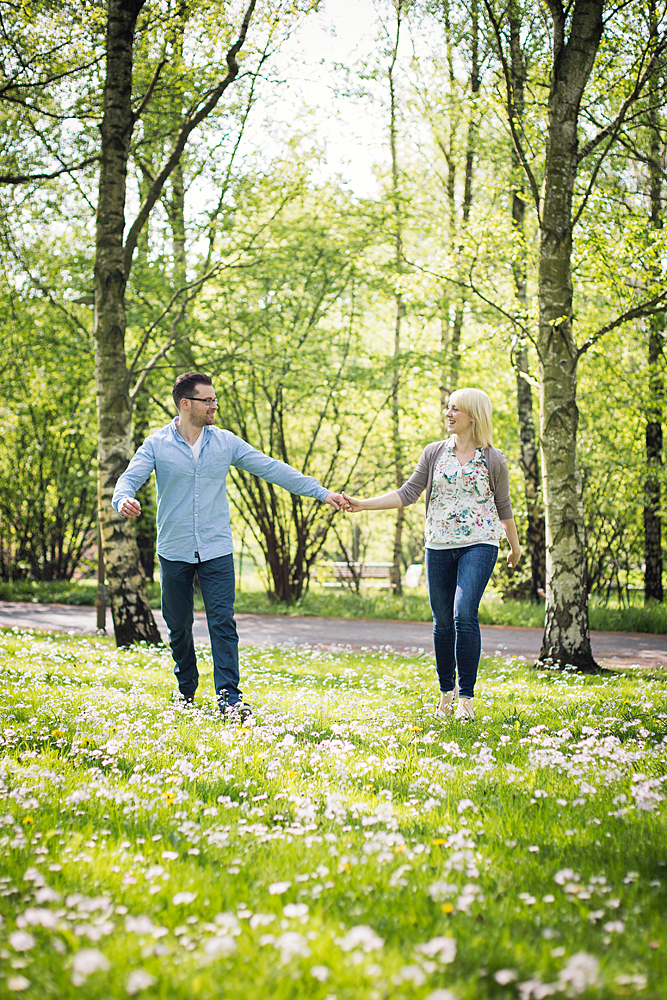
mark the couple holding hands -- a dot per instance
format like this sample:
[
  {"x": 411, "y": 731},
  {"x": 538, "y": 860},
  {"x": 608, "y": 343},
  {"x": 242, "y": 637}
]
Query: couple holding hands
[{"x": 468, "y": 510}]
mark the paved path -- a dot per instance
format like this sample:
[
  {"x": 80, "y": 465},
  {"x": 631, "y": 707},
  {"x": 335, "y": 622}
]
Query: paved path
[{"x": 612, "y": 648}]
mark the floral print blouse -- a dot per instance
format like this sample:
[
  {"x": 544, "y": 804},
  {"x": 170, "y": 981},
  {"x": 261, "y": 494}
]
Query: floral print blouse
[{"x": 462, "y": 509}]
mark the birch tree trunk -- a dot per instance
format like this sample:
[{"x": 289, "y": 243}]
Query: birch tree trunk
[
  {"x": 399, "y": 310},
  {"x": 530, "y": 463},
  {"x": 452, "y": 338},
  {"x": 653, "y": 435},
  {"x": 566, "y": 634},
  {"x": 132, "y": 616}
]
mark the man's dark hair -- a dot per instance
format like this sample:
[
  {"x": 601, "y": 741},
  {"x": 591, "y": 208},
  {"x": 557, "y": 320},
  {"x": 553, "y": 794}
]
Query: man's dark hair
[{"x": 185, "y": 384}]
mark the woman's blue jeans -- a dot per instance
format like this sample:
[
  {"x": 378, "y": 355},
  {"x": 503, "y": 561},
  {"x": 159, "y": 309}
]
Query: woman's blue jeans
[
  {"x": 216, "y": 579},
  {"x": 456, "y": 581}
]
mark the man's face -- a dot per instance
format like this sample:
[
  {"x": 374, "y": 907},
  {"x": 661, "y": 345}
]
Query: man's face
[{"x": 201, "y": 405}]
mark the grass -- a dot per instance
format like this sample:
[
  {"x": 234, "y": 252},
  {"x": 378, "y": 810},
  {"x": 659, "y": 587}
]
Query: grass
[
  {"x": 327, "y": 603},
  {"x": 346, "y": 844}
]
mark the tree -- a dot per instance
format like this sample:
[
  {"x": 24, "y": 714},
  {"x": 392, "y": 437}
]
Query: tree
[
  {"x": 530, "y": 462},
  {"x": 399, "y": 305},
  {"x": 280, "y": 339},
  {"x": 576, "y": 35},
  {"x": 132, "y": 617},
  {"x": 656, "y": 338},
  {"x": 47, "y": 442}
]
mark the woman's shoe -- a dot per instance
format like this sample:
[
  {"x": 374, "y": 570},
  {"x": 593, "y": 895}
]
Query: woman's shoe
[
  {"x": 465, "y": 710},
  {"x": 447, "y": 703}
]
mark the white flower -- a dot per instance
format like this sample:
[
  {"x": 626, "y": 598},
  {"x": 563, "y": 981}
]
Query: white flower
[
  {"x": 441, "y": 995},
  {"x": 154, "y": 871},
  {"x": 320, "y": 972},
  {"x": 505, "y": 976},
  {"x": 565, "y": 875},
  {"x": 139, "y": 980},
  {"x": 639, "y": 981},
  {"x": 22, "y": 941},
  {"x": 290, "y": 944},
  {"x": 41, "y": 917},
  {"x": 440, "y": 890},
  {"x": 85, "y": 962},
  {"x": 16, "y": 983},
  {"x": 466, "y": 804},
  {"x": 170, "y": 855},
  {"x": 261, "y": 920},
  {"x": 580, "y": 972},
  {"x": 277, "y": 888},
  {"x": 139, "y": 925},
  {"x": 411, "y": 974},
  {"x": 228, "y": 922},
  {"x": 614, "y": 927},
  {"x": 363, "y": 937},
  {"x": 47, "y": 895},
  {"x": 295, "y": 910},
  {"x": 184, "y": 898},
  {"x": 441, "y": 948},
  {"x": 221, "y": 944}
]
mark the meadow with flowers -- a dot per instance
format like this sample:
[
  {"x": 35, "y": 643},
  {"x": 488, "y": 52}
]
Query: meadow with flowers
[{"x": 341, "y": 844}]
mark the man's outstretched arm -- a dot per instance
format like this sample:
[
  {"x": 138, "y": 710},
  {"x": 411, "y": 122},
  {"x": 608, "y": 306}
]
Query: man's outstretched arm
[
  {"x": 136, "y": 474},
  {"x": 250, "y": 460}
]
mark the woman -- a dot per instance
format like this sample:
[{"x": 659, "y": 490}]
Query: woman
[{"x": 467, "y": 509}]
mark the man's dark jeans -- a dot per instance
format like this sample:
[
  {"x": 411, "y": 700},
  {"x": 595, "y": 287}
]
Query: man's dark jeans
[
  {"x": 216, "y": 579},
  {"x": 456, "y": 581}
]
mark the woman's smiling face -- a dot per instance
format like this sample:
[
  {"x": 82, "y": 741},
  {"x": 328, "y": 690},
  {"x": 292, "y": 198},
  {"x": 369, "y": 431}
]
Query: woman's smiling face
[{"x": 458, "y": 422}]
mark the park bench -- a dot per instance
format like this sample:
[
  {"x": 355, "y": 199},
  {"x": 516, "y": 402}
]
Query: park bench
[{"x": 344, "y": 573}]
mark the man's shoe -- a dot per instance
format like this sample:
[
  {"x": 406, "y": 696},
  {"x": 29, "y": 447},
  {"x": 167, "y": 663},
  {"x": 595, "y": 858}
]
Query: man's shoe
[
  {"x": 238, "y": 712},
  {"x": 447, "y": 703},
  {"x": 184, "y": 699},
  {"x": 465, "y": 711}
]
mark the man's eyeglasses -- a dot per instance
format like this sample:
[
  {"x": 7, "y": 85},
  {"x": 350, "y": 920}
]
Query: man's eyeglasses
[{"x": 209, "y": 400}]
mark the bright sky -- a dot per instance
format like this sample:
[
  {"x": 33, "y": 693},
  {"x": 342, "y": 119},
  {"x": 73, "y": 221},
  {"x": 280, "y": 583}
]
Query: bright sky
[{"x": 318, "y": 97}]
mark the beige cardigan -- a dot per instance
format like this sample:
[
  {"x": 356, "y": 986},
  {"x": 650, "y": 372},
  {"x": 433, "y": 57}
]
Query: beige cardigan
[{"x": 422, "y": 478}]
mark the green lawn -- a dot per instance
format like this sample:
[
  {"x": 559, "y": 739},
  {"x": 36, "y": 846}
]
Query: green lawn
[
  {"x": 345, "y": 845},
  {"x": 371, "y": 603}
]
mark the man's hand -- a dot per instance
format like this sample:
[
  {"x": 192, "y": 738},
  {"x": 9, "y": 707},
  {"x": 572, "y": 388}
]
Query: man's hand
[
  {"x": 337, "y": 501},
  {"x": 352, "y": 504},
  {"x": 130, "y": 508}
]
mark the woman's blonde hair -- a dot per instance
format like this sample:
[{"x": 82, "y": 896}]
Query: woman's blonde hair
[{"x": 477, "y": 405}]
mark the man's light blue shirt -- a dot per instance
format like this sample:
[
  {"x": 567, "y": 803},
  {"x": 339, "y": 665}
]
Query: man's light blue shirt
[{"x": 192, "y": 506}]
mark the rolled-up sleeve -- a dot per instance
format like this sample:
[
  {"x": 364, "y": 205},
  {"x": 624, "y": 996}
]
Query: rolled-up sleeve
[
  {"x": 250, "y": 460},
  {"x": 502, "y": 492},
  {"x": 136, "y": 474},
  {"x": 411, "y": 491}
]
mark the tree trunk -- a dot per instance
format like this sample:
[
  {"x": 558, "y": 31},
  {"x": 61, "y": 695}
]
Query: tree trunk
[
  {"x": 399, "y": 311},
  {"x": 566, "y": 635},
  {"x": 530, "y": 465},
  {"x": 451, "y": 379},
  {"x": 132, "y": 616},
  {"x": 652, "y": 518},
  {"x": 183, "y": 355}
]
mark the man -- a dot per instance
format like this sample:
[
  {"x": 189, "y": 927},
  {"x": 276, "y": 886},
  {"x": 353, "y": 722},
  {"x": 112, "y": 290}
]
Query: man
[{"x": 191, "y": 459}]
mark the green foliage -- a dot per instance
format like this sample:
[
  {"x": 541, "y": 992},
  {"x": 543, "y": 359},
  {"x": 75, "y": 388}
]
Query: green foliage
[
  {"x": 290, "y": 281},
  {"x": 47, "y": 447},
  {"x": 346, "y": 843}
]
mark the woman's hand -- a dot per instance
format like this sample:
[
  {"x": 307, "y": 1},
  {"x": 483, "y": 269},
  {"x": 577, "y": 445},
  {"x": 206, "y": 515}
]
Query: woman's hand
[
  {"x": 352, "y": 504},
  {"x": 514, "y": 554},
  {"x": 513, "y": 557}
]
